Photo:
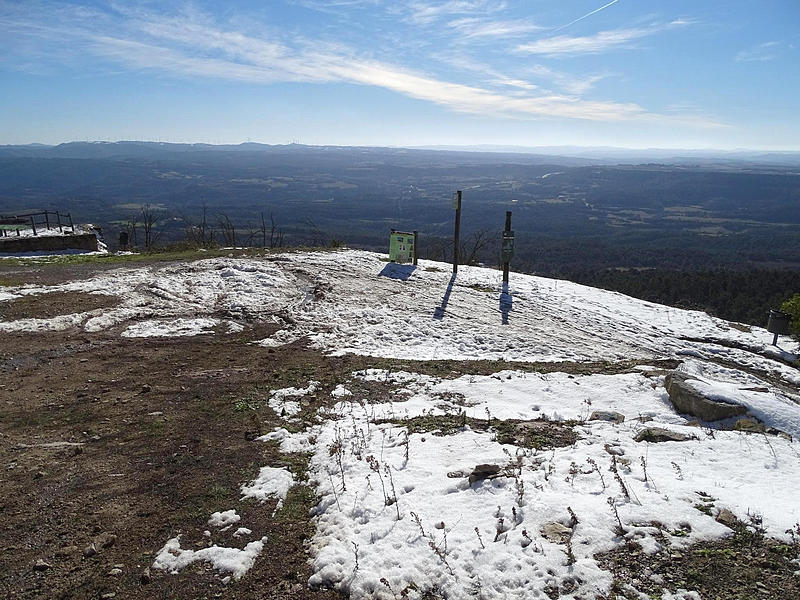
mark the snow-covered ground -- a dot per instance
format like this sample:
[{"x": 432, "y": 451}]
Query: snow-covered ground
[
  {"x": 397, "y": 511},
  {"x": 383, "y": 309}
]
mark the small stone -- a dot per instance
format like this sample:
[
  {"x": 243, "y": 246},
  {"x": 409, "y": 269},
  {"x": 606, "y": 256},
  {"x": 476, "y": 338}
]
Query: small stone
[
  {"x": 66, "y": 551},
  {"x": 659, "y": 434},
  {"x": 481, "y": 472},
  {"x": 456, "y": 474},
  {"x": 607, "y": 415},
  {"x": 41, "y": 565},
  {"x": 556, "y": 532},
  {"x": 108, "y": 595},
  {"x": 727, "y": 518},
  {"x": 145, "y": 577},
  {"x": 614, "y": 450},
  {"x": 39, "y": 475},
  {"x": 749, "y": 426},
  {"x": 146, "y": 388},
  {"x": 115, "y": 572},
  {"x": 90, "y": 550},
  {"x": 106, "y": 540}
]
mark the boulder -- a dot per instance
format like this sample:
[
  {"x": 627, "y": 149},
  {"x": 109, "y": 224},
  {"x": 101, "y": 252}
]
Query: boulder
[
  {"x": 689, "y": 400},
  {"x": 607, "y": 415},
  {"x": 659, "y": 434}
]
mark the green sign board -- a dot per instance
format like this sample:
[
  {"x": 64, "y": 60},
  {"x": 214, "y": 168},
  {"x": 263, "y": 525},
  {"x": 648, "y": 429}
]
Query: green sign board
[{"x": 401, "y": 247}]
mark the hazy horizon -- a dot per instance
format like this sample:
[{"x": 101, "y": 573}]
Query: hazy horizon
[{"x": 475, "y": 147}]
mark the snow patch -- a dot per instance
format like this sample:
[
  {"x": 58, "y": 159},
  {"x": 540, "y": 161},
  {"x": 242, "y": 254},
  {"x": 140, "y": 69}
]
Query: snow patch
[{"x": 237, "y": 562}]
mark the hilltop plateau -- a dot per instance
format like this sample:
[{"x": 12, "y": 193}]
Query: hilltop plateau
[{"x": 322, "y": 424}]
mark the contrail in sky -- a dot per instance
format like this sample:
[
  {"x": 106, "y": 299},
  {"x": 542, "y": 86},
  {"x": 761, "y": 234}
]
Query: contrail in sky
[{"x": 589, "y": 14}]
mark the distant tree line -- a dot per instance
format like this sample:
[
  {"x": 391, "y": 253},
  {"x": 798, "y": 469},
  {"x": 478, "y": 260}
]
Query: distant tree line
[{"x": 745, "y": 296}]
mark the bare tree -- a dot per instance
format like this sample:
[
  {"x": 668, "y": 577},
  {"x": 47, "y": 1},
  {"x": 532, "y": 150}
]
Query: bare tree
[
  {"x": 316, "y": 237},
  {"x": 228, "y": 230},
  {"x": 472, "y": 247},
  {"x": 200, "y": 234},
  {"x": 149, "y": 220},
  {"x": 275, "y": 234},
  {"x": 131, "y": 227}
]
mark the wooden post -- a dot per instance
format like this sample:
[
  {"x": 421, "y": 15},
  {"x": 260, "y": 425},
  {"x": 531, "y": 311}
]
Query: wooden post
[
  {"x": 416, "y": 247},
  {"x": 457, "y": 233},
  {"x": 71, "y": 224},
  {"x": 47, "y": 219},
  {"x": 506, "y": 263},
  {"x": 58, "y": 216},
  {"x": 33, "y": 225}
]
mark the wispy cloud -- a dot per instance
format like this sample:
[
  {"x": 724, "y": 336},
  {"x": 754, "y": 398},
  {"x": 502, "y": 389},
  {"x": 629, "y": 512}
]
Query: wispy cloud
[
  {"x": 191, "y": 44},
  {"x": 425, "y": 12},
  {"x": 603, "y": 41},
  {"x": 472, "y": 27},
  {"x": 760, "y": 53}
]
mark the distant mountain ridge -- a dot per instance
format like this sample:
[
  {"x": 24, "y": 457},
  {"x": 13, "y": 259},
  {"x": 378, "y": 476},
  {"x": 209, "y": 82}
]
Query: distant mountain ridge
[{"x": 158, "y": 150}]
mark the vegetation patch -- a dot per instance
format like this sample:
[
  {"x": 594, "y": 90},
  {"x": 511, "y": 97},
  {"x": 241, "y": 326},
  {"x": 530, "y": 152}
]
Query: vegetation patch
[
  {"x": 452, "y": 369},
  {"x": 536, "y": 433},
  {"x": 746, "y": 565}
]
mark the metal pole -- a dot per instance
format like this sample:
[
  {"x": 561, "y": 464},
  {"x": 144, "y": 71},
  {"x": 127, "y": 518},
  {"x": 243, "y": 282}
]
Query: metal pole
[
  {"x": 47, "y": 219},
  {"x": 775, "y": 340},
  {"x": 58, "y": 216},
  {"x": 506, "y": 263},
  {"x": 33, "y": 225},
  {"x": 71, "y": 225},
  {"x": 416, "y": 246},
  {"x": 457, "y": 234}
]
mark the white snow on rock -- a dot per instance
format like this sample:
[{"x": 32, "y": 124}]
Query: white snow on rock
[
  {"x": 238, "y": 289},
  {"x": 237, "y": 562},
  {"x": 399, "y": 311},
  {"x": 175, "y": 327},
  {"x": 271, "y": 483},
  {"x": 224, "y": 518}
]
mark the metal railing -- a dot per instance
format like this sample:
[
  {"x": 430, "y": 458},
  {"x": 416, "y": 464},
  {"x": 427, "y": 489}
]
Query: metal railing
[{"x": 36, "y": 221}]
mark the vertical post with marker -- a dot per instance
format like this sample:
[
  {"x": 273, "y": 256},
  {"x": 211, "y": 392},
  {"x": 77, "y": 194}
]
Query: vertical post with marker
[
  {"x": 508, "y": 247},
  {"x": 457, "y": 233}
]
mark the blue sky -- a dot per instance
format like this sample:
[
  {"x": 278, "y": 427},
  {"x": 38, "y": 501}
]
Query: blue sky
[{"x": 629, "y": 73}]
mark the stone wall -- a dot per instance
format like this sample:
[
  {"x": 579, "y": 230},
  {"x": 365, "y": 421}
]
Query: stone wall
[{"x": 85, "y": 242}]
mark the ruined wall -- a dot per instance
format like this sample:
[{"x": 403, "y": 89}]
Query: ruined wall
[{"x": 86, "y": 242}]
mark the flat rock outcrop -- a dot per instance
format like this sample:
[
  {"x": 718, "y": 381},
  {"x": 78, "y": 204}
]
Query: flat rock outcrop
[{"x": 689, "y": 400}]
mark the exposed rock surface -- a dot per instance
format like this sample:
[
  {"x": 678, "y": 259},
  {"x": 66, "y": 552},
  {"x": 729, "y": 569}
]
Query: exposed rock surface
[
  {"x": 688, "y": 399},
  {"x": 659, "y": 434},
  {"x": 607, "y": 415}
]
